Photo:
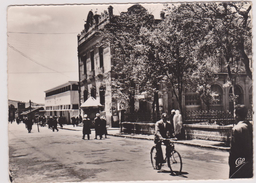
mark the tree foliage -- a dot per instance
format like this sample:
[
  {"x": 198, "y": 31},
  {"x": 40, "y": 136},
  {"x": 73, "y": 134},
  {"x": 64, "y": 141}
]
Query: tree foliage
[
  {"x": 194, "y": 36},
  {"x": 186, "y": 49},
  {"x": 123, "y": 34}
]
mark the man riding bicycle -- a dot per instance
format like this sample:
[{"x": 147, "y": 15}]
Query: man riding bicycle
[{"x": 163, "y": 129}]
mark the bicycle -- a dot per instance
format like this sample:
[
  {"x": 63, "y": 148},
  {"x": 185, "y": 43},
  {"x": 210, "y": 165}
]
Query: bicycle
[{"x": 172, "y": 157}]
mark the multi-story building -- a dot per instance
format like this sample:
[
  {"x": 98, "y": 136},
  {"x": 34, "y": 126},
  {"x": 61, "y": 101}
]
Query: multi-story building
[
  {"x": 95, "y": 78},
  {"x": 62, "y": 100},
  {"x": 95, "y": 63}
]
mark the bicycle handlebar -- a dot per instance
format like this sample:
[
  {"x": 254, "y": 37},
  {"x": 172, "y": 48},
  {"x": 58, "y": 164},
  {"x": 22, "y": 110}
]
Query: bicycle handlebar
[{"x": 168, "y": 139}]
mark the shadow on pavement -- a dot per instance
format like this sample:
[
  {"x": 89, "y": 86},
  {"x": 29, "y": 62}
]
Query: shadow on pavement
[{"x": 181, "y": 174}]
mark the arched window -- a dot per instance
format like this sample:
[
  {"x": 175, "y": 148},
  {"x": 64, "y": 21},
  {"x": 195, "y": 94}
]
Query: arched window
[
  {"x": 101, "y": 57},
  {"x": 84, "y": 64},
  {"x": 92, "y": 61},
  {"x": 93, "y": 92},
  {"x": 239, "y": 93},
  {"x": 239, "y": 99},
  {"x": 85, "y": 95},
  {"x": 218, "y": 90},
  {"x": 250, "y": 96},
  {"x": 102, "y": 95}
]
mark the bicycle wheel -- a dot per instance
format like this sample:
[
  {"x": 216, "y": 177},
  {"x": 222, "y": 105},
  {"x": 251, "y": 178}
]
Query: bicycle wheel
[
  {"x": 154, "y": 160},
  {"x": 175, "y": 162}
]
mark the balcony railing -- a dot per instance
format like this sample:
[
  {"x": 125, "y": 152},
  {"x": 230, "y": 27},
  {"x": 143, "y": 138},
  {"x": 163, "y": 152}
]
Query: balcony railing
[
  {"x": 91, "y": 75},
  {"x": 100, "y": 72}
]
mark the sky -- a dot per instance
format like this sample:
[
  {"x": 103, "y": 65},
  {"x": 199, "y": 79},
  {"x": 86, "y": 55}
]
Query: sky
[{"x": 42, "y": 45}]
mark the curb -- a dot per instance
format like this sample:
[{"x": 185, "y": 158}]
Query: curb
[{"x": 177, "y": 142}]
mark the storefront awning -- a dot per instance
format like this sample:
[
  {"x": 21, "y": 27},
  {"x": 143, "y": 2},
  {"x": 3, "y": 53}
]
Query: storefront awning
[
  {"x": 31, "y": 111},
  {"x": 91, "y": 102}
]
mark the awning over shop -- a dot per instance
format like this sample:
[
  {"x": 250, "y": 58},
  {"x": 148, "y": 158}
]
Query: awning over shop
[
  {"x": 91, "y": 103},
  {"x": 31, "y": 111}
]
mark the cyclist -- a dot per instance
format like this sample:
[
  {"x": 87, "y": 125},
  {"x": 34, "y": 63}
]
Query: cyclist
[{"x": 163, "y": 129}]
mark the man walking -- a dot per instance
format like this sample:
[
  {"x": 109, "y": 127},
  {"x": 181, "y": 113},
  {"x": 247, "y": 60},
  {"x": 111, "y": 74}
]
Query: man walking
[
  {"x": 241, "y": 151},
  {"x": 104, "y": 126},
  {"x": 54, "y": 124},
  {"x": 86, "y": 126},
  {"x": 98, "y": 130}
]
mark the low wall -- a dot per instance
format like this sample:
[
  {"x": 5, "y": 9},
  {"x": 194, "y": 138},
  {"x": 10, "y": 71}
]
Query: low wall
[
  {"x": 208, "y": 132},
  {"x": 192, "y": 131},
  {"x": 137, "y": 128}
]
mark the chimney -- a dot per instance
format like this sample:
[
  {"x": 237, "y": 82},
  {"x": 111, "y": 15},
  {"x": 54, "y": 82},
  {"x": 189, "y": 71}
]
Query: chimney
[
  {"x": 162, "y": 14},
  {"x": 96, "y": 18},
  {"x": 110, "y": 11}
]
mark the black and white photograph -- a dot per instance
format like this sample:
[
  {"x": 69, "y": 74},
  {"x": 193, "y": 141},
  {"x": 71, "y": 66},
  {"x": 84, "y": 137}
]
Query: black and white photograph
[{"x": 129, "y": 91}]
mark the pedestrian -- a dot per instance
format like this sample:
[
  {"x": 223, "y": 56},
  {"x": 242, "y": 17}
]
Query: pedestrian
[
  {"x": 104, "y": 126},
  {"x": 162, "y": 130},
  {"x": 18, "y": 120},
  {"x": 54, "y": 124},
  {"x": 29, "y": 123},
  {"x": 77, "y": 120},
  {"x": 61, "y": 119},
  {"x": 98, "y": 130},
  {"x": 178, "y": 125},
  {"x": 50, "y": 122},
  {"x": 73, "y": 120},
  {"x": 171, "y": 121},
  {"x": 86, "y": 126},
  {"x": 241, "y": 150}
]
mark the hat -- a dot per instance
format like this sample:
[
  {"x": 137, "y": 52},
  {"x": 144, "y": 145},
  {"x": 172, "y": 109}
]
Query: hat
[
  {"x": 164, "y": 115},
  {"x": 172, "y": 110},
  {"x": 85, "y": 115},
  {"x": 98, "y": 115}
]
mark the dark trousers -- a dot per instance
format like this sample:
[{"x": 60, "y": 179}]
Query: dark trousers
[
  {"x": 55, "y": 128},
  {"x": 88, "y": 136},
  {"x": 159, "y": 151}
]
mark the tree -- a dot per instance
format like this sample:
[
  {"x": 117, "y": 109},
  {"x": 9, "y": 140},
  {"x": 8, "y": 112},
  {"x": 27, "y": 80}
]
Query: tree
[
  {"x": 171, "y": 48},
  {"x": 190, "y": 35},
  {"x": 203, "y": 76},
  {"x": 229, "y": 38},
  {"x": 122, "y": 33}
]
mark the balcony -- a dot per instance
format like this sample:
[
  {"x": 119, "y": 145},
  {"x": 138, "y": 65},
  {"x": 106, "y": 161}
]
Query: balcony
[
  {"x": 100, "y": 72},
  {"x": 91, "y": 75}
]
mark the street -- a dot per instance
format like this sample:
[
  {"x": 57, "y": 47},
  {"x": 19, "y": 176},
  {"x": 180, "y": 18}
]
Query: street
[{"x": 63, "y": 156}]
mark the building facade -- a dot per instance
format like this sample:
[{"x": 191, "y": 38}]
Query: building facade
[
  {"x": 62, "y": 101},
  {"x": 191, "y": 99},
  {"x": 94, "y": 62}
]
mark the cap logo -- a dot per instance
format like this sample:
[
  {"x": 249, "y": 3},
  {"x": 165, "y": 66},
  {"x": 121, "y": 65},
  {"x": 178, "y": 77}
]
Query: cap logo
[{"x": 239, "y": 161}]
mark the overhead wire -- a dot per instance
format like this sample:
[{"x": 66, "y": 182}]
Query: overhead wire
[
  {"x": 46, "y": 33},
  {"x": 24, "y": 55}
]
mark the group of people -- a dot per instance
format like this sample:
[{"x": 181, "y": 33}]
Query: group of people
[
  {"x": 165, "y": 128},
  {"x": 241, "y": 149},
  {"x": 75, "y": 120},
  {"x": 52, "y": 123},
  {"x": 100, "y": 126}
]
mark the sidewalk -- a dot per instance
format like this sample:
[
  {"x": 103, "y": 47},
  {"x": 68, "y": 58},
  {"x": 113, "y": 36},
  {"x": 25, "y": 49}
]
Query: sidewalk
[{"x": 195, "y": 142}]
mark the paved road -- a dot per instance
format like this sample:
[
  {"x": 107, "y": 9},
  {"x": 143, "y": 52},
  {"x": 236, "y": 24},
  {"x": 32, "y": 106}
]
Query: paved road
[{"x": 63, "y": 156}]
